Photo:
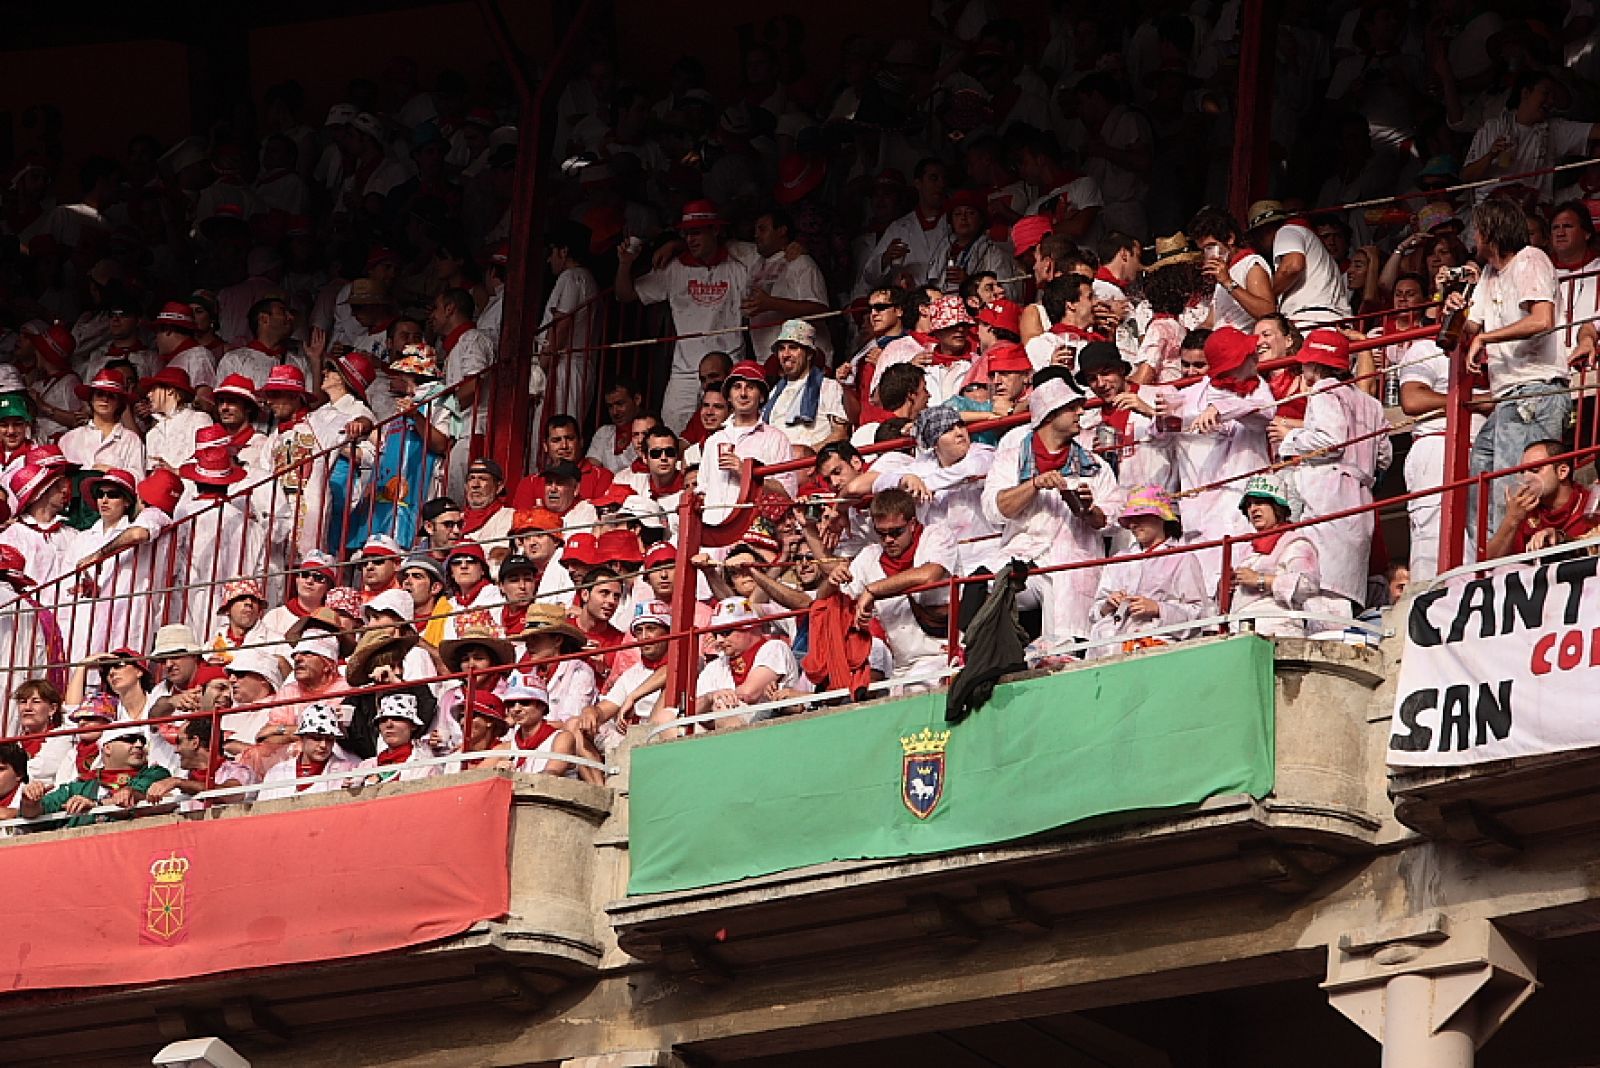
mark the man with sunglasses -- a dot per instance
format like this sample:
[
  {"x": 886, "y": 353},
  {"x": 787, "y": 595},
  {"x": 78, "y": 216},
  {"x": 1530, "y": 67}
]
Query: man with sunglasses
[
  {"x": 907, "y": 555},
  {"x": 313, "y": 577},
  {"x": 121, "y": 775},
  {"x": 379, "y": 560},
  {"x": 663, "y": 476}
]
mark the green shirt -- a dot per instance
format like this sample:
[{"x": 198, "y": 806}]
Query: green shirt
[{"x": 56, "y": 800}]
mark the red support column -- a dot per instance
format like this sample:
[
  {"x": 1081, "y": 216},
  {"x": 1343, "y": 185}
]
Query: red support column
[
  {"x": 1250, "y": 171},
  {"x": 683, "y": 656},
  {"x": 1457, "y": 459}
]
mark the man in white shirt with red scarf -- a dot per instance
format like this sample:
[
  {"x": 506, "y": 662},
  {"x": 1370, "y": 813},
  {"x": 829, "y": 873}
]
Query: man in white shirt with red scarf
[{"x": 467, "y": 351}]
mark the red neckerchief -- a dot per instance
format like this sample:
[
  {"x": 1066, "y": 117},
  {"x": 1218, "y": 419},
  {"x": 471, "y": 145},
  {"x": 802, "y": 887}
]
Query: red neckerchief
[
  {"x": 1117, "y": 418},
  {"x": 398, "y": 755},
  {"x": 216, "y": 345},
  {"x": 470, "y": 594},
  {"x": 83, "y": 756},
  {"x": 1562, "y": 519},
  {"x": 893, "y": 565},
  {"x": 925, "y": 222},
  {"x": 473, "y": 519},
  {"x": 296, "y": 609},
  {"x": 541, "y": 732},
  {"x": 112, "y": 780},
  {"x": 188, "y": 344},
  {"x": 31, "y": 746},
  {"x": 118, "y": 349},
  {"x": 304, "y": 769},
  {"x": 620, "y": 442},
  {"x": 1266, "y": 543},
  {"x": 206, "y": 777},
  {"x": 1282, "y": 383},
  {"x": 639, "y": 467},
  {"x": 261, "y": 346},
  {"x": 298, "y": 418},
  {"x": 674, "y": 485},
  {"x": 242, "y": 438},
  {"x": 1045, "y": 460},
  {"x": 454, "y": 336},
  {"x": 514, "y": 618},
  {"x": 941, "y": 359},
  {"x": 1103, "y": 274},
  {"x": 695, "y": 433},
  {"x": 1077, "y": 333},
  {"x": 740, "y": 665},
  {"x": 1571, "y": 265},
  {"x": 694, "y": 261},
  {"x": 1235, "y": 386},
  {"x": 234, "y": 637},
  {"x": 652, "y": 662}
]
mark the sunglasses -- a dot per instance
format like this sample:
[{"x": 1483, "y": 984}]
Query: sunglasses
[
  {"x": 130, "y": 740},
  {"x": 880, "y": 307},
  {"x": 449, "y": 522},
  {"x": 893, "y": 532},
  {"x": 660, "y": 454},
  {"x": 804, "y": 558},
  {"x": 107, "y": 491},
  {"x": 317, "y": 576}
]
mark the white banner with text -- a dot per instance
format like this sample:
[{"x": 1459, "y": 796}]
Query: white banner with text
[{"x": 1500, "y": 664}]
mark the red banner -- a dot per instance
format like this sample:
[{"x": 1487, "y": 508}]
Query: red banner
[{"x": 147, "y": 904}]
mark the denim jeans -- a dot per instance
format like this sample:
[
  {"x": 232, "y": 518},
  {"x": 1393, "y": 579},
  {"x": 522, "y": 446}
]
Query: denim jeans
[{"x": 1522, "y": 416}]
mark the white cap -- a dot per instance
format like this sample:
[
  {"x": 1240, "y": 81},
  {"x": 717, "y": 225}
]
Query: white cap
[
  {"x": 733, "y": 610},
  {"x": 520, "y": 687},
  {"x": 323, "y": 645},
  {"x": 647, "y": 510},
  {"x": 259, "y": 662},
  {"x": 399, "y": 706},
  {"x": 395, "y": 602}
]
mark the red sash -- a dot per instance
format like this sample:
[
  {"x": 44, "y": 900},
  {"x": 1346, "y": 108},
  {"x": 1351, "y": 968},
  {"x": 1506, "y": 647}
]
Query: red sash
[
  {"x": 893, "y": 565},
  {"x": 398, "y": 755}
]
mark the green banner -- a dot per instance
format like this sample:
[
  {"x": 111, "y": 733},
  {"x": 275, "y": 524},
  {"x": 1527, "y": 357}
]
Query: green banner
[{"x": 1150, "y": 732}]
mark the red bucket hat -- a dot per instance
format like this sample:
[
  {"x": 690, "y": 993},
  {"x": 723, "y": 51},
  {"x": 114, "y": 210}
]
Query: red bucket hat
[
  {"x": 213, "y": 466},
  {"x": 619, "y": 547},
  {"x": 105, "y": 381},
  {"x": 172, "y": 377},
  {"x": 700, "y": 215},
  {"x": 161, "y": 489},
  {"x": 946, "y": 312},
  {"x": 1009, "y": 356},
  {"x": 1003, "y": 314},
  {"x": 1227, "y": 349},
  {"x": 751, "y": 372},
  {"x": 285, "y": 378},
  {"x": 582, "y": 548},
  {"x": 176, "y": 315},
  {"x": 798, "y": 175},
  {"x": 122, "y": 480},
  {"x": 1028, "y": 231},
  {"x": 358, "y": 370},
  {"x": 52, "y": 341}
]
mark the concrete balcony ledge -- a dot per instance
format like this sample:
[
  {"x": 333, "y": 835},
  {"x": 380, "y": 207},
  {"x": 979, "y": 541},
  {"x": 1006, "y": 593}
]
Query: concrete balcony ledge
[
  {"x": 550, "y": 939},
  {"x": 1326, "y": 809}
]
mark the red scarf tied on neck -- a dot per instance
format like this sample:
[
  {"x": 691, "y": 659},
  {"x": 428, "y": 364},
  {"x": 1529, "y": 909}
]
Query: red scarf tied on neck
[
  {"x": 1266, "y": 543},
  {"x": 397, "y": 755},
  {"x": 741, "y": 663},
  {"x": 305, "y": 769},
  {"x": 83, "y": 756},
  {"x": 541, "y": 732},
  {"x": 473, "y": 519},
  {"x": 893, "y": 565}
]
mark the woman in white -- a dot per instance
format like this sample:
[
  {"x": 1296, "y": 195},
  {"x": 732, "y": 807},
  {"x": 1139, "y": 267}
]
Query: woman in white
[
  {"x": 564, "y": 373},
  {"x": 104, "y": 443},
  {"x": 527, "y": 705},
  {"x": 98, "y": 619},
  {"x": 319, "y": 733},
  {"x": 399, "y": 721},
  {"x": 1280, "y": 572},
  {"x": 1137, "y": 593},
  {"x": 1242, "y": 278}
]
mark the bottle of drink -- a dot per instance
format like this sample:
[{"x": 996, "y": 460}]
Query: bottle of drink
[
  {"x": 1391, "y": 387},
  {"x": 1454, "y": 323}
]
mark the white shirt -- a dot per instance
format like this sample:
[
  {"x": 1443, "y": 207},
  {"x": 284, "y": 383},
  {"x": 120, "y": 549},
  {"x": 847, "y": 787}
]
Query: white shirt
[
  {"x": 198, "y": 363},
  {"x": 774, "y": 654},
  {"x": 926, "y": 260},
  {"x": 956, "y": 510},
  {"x": 1175, "y": 582},
  {"x": 702, "y": 299},
  {"x": 1577, "y": 299},
  {"x": 796, "y": 279},
  {"x": 1533, "y": 148},
  {"x": 603, "y": 450},
  {"x": 762, "y": 443},
  {"x": 121, "y": 448},
  {"x": 1227, "y": 311},
  {"x": 171, "y": 437},
  {"x": 830, "y": 412},
  {"x": 913, "y": 649},
  {"x": 1505, "y": 297},
  {"x": 1322, "y": 294}
]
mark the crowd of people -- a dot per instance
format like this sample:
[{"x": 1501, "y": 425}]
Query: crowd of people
[{"x": 973, "y": 301}]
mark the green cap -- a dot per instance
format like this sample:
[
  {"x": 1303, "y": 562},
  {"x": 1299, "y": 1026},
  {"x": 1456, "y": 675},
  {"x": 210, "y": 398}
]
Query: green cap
[
  {"x": 15, "y": 406},
  {"x": 1265, "y": 487}
]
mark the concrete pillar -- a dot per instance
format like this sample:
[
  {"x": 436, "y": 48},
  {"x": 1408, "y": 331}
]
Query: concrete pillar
[{"x": 1431, "y": 992}]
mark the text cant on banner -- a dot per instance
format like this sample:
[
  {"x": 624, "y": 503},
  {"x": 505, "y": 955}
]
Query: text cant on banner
[
  {"x": 1500, "y": 664},
  {"x": 175, "y": 900}
]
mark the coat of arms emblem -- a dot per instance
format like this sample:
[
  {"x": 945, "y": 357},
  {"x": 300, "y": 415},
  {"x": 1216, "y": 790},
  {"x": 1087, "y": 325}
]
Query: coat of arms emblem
[
  {"x": 165, "y": 912},
  {"x": 922, "y": 777}
]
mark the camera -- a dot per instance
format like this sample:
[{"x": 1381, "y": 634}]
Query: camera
[
  {"x": 813, "y": 509},
  {"x": 1456, "y": 278}
]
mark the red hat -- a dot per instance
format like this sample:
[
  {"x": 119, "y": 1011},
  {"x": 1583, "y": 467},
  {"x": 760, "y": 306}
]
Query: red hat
[
  {"x": 1326, "y": 347},
  {"x": 486, "y": 703},
  {"x": 54, "y": 343},
  {"x": 469, "y": 549},
  {"x": 212, "y": 436},
  {"x": 117, "y": 477},
  {"x": 798, "y": 175},
  {"x": 380, "y": 255},
  {"x": 619, "y": 547},
  {"x": 213, "y": 466},
  {"x": 285, "y": 378},
  {"x": 582, "y": 548},
  {"x": 358, "y": 370},
  {"x": 104, "y": 381},
  {"x": 967, "y": 198},
  {"x": 49, "y": 456},
  {"x": 30, "y": 480},
  {"x": 1227, "y": 349},
  {"x": 1009, "y": 356},
  {"x": 891, "y": 177},
  {"x": 700, "y": 215},
  {"x": 13, "y": 564},
  {"x": 614, "y": 495},
  {"x": 946, "y": 312},
  {"x": 662, "y": 552},
  {"x": 1003, "y": 314},
  {"x": 750, "y": 371},
  {"x": 206, "y": 674},
  {"x": 239, "y": 387},
  {"x": 171, "y": 377},
  {"x": 1028, "y": 231},
  {"x": 176, "y": 315},
  {"x": 161, "y": 489},
  {"x": 500, "y": 254}
]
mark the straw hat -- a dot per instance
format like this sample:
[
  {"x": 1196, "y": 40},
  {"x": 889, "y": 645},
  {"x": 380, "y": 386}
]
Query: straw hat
[
  {"x": 552, "y": 619},
  {"x": 1173, "y": 249}
]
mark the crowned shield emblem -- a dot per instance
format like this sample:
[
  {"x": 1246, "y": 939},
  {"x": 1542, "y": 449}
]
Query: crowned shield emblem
[{"x": 923, "y": 771}]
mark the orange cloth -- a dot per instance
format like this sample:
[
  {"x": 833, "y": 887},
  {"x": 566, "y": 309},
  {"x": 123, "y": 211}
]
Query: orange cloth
[{"x": 839, "y": 652}]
